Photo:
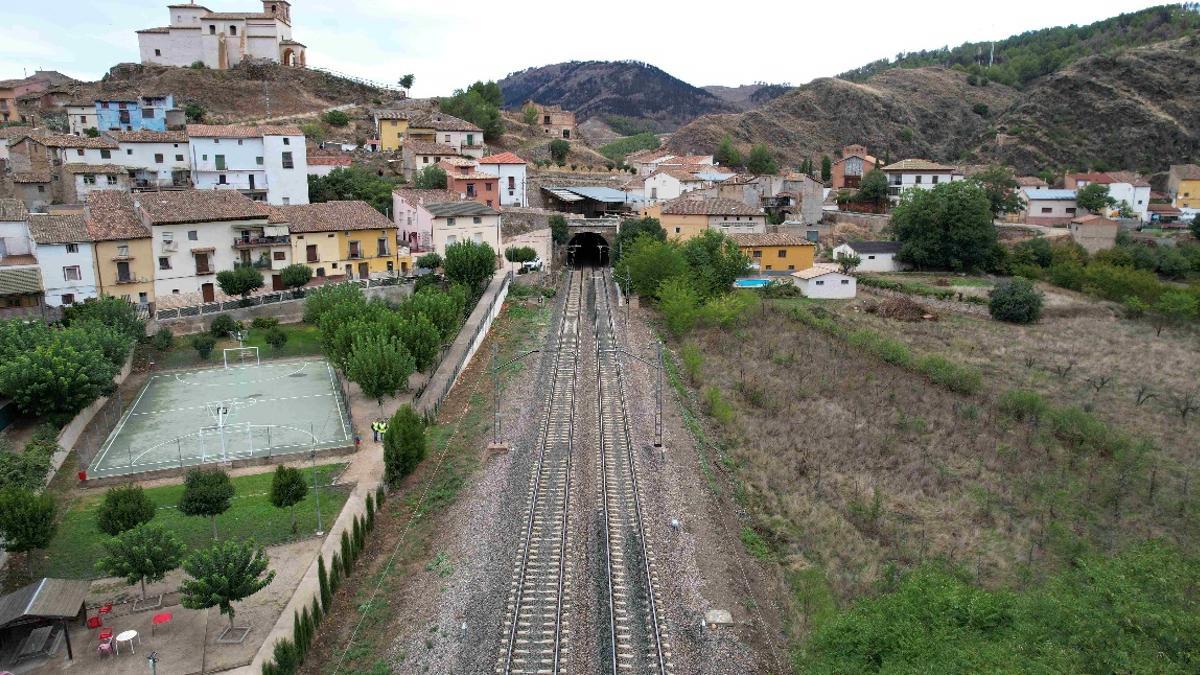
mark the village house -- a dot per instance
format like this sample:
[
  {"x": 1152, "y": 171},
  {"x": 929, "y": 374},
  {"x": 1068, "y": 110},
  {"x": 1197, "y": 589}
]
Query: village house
[
  {"x": 1183, "y": 184},
  {"x": 1124, "y": 187},
  {"x": 847, "y": 172},
  {"x": 122, "y": 252},
  {"x": 688, "y": 216},
  {"x": 463, "y": 177},
  {"x": 153, "y": 159},
  {"x": 553, "y": 120},
  {"x": 1094, "y": 233},
  {"x": 12, "y": 90},
  {"x": 63, "y": 169},
  {"x": 826, "y": 282},
  {"x": 81, "y": 116},
  {"x": 511, "y": 171},
  {"x": 343, "y": 239},
  {"x": 455, "y": 222},
  {"x": 1167, "y": 216},
  {"x": 874, "y": 256},
  {"x": 265, "y": 163},
  {"x": 64, "y": 253},
  {"x": 589, "y": 201},
  {"x": 144, "y": 113},
  {"x": 1049, "y": 206},
  {"x": 647, "y": 162},
  {"x": 667, "y": 184},
  {"x": 1031, "y": 182},
  {"x": 323, "y": 165},
  {"x": 415, "y": 156},
  {"x": 771, "y": 252},
  {"x": 438, "y": 127},
  {"x": 414, "y": 222},
  {"x": 908, "y": 174},
  {"x": 21, "y": 291},
  {"x": 392, "y": 127},
  {"x": 81, "y": 180},
  {"x": 221, "y": 40}
]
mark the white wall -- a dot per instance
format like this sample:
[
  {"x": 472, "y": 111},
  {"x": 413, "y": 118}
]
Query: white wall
[
  {"x": 141, "y": 156},
  {"x": 1138, "y": 199},
  {"x": 241, "y": 162},
  {"x": 181, "y": 277},
  {"x": 89, "y": 156},
  {"x": 52, "y": 258},
  {"x": 179, "y": 47},
  {"x": 871, "y": 262},
  {"x": 738, "y": 224},
  {"x": 80, "y": 118},
  {"x": 15, "y": 235},
  {"x": 487, "y": 230},
  {"x": 516, "y": 196},
  {"x": 286, "y": 186},
  {"x": 82, "y": 189},
  {"x": 668, "y": 187},
  {"x": 834, "y": 285},
  {"x": 410, "y": 218},
  {"x": 538, "y": 240}
]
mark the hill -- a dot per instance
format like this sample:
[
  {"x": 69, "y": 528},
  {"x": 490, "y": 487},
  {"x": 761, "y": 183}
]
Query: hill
[
  {"x": 631, "y": 97},
  {"x": 924, "y": 112},
  {"x": 239, "y": 93},
  {"x": 748, "y": 96}
]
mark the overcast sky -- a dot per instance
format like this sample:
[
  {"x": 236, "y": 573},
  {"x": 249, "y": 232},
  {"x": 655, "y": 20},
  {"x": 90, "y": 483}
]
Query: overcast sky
[{"x": 451, "y": 44}]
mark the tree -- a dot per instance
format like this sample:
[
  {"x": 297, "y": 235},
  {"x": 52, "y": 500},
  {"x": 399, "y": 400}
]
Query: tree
[
  {"x": 91, "y": 132},
  {"x": 26, "y": 469},
  {"x": 110, "y": 311},
  {"x": 680, "y": 304},
  {"x": 276, "y": 338},
  {"x": 194, "y": 112},
  {"x": 203, "y": 344},
  {"x": 947, "y": 227},
  {"x": 529, "y": 115},
  {"x": 760, "y": 161},
  {"x": 520, "y": 254},
  {"x": 406, "y": 81},
  {"x": 873, "y": 189},
  {"x": 26, "y": 521},
  {"x": 124, "y": 508},
  {"x": 429, "y": 261},
  {"x": 431, "y": 177},
  {"x": 353, "y": 183},
  {"x": 1094, "y": 197},
  {"x": 826, "y": 168},
  {"x": 715, "y": 261},
  {"x": 296, "y": 275},
  {"x": 726, "y": 153},
  {"x": 480, "y": 105},
  {"x": 206, "y": 492},
  {"x": 144, "y": 553},
  {"x": 1002, "y": 189},
  {"x": 633, "y": 228},
  {"x": 241, "y": 280},
  {"x": 847, "y": 261},
  {"x": 647, "y": 262},
  {"x": 404, "y": 444},
  {"x": 1173, "y": 309},
  {"x": 558, "y": 229},
  {"x": 223, "y": 574},
  {"x": 56, "y": 379},
  {"x": 1195, "y": 226},
  {"x": 470, "y": 263},
  {"x": 1016, "y": 301},
  {"x": 558, "y": 151},
  {"x": 380, "y": 365},
  {"x": 336, "y": 118},
  {"x": 288, "y": 488},
  {"x": 323, "y": 583}
]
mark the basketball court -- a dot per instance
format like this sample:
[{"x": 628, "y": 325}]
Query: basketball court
[{"x": 245, "y": 409}]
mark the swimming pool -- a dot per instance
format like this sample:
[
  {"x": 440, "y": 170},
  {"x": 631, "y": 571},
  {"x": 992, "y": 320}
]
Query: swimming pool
[{"x": 751, "y": 283}]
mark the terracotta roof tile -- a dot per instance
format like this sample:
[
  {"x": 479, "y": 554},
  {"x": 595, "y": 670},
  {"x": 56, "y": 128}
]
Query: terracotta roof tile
[
  {"x": 441, "y": 122},
  {"x": 148, "y": 136},
  {"x": 240, "y": 131},
  {"x": 1186, "y": 171},
  {"x": 46, "y": 228},
  {"x": 93, "y": 168},
  {"x": 322, "y": 160},
  {"x": 333, "y": 216},
  {"x": 1128, "y": 177},
  {"x": 700, "y": 206},
  {"x": 32, "y": 177},
  {"x": 458, "y": 161},
  {"x": 427, "y": 148},
  {"x": 770, "y": 239},
  {"x": 13, "y": 209},
  {"x": 395, "y": 114},
  {"x": 69, "y": 141},
  {"x": 110, "y": 216},
  {"x": 919, "y": 165},
  {"x": 502, "y": 158},
  {"x": 156, "y": 29},
  {"x": 417, "y": 196},
  {"x": 817, "y": 270},
  {"x": 15, "y": 132},
  {"x": 196, "y": 206}
]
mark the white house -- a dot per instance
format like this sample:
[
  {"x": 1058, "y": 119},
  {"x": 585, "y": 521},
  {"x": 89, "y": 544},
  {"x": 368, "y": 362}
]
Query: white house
[
  {"x": 908, "y": 174},
  {"x": 322, "y": 165},
  {"x": 68, "y": 149},
  {"x": 511, "y": 170},
  {"x": 222, "y": 39},
  {"x": 194, "y": 235},
  {"x": 81, "y": 116},
  {"x": 438, "y": 127},
  {"x": 876, "y": 256},
  {"x": 454, "y": 222},
  {"x": 1124, "y": 187},
  {"x": 64, "y": 253},
  {"x": 264, "y": 163},
  {"x": 84, "y": 179},
  {"x": 667, "y": 184},
  {"x": 153, "y": 158},
  {"x": 414, "y": 222},
  {"x": 825, "y": 282}
]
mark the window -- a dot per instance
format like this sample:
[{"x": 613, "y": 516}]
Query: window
[
  {"x": 447, "y": 138},
  {"x": 487, "y": 187},
  {"x": 320, "y": 271},
  {"x": 220, "y": 161},
  {"x": 476, "y": 219},
  {"x": 311, "y": 252},
  {"x": 355, "y": 250},
  {"x": 287, "y": 200},
  {"x": 129, "y": 151},
  {"x": 934, "y": 180},
  {"x": 917, "y": 179},
  {"x": 41, "y": 188},
  {"x": 168, "y": 237},
  {"x": 279, "y": 255},
  {"x": 478, "y": 237},
  {"x": 791, "y": 267},
  {"x": 1071, "y": 210},
  {"x": 71, "y": 273},
  {"x": 258, "y": 161},
  {"x": 79, "y": 152},
  {"x": 193, "y": 236},
  {"x": 212, "y": 30},
  {"x": 204, "y": 157},
  {"x": 450, "y": 221},
  {"x": 512, "y": 183},
  {"x": 470, "y": 139},
  {"x": 158, "y": 52},
  {"x": 233, "y": 30},
  {"x": 68, "y": 298},
  {"x": 158, "y": 158},
  {"x": 489, "y": 203},
  {"x": 677, "y": 230},
  {"x": 870, "y": 257},
  {"x": 110, "y": 179},
  {"x": 89, "y": 179},
  {"x": 381, "y": 246},
  {"x": 425, "y": 159},
  {"x": 164, "y": 263},
  {"x": 845, "y": 282},
  {"x": 546, "y": 119},
  {"x": 820, "y": 282},
  {"x": 287, "y": 160},
  {"x": 221, "y": 179},
  {"x": 287, "y": 141},
  {"x": 72, "y": 248},
  {"x": 239, "y": 141},
  {"x": 757, "y": 254},
  {"x": 451, "y": 240},
  {"x": 769, "y": 268},
  {"x": 178, "y": 158},
  {"x": 783, "y": 253},
  {"x": 1046, "y": 209}
]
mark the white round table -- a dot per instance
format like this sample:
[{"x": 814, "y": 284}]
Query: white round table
[{"x": 127, "y": 636}]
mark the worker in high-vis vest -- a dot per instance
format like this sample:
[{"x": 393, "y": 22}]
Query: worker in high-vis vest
[
  {"x": 376, "y": 430},
  {"x": 383, "y": 427}
]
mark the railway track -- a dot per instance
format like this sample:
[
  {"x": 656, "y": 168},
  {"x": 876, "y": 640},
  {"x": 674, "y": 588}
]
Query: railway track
[
  {"x": 636, "y": 631},
  {"x": 539, "y": 600}
]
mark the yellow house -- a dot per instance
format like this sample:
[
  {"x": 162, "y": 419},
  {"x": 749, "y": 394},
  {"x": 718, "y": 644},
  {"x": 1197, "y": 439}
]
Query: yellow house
[
  {"x": 776, "y": 252},
  {"x": 123, "y": 255},
  {"x": 343, "y": 238},
  {"x": 691, "y": 214},
  {"x": 393, "y": 127},
  {"x": 1183, "y": 182}
]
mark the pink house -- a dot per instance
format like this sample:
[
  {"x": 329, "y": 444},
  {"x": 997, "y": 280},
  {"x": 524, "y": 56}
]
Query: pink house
[{"x": 414, "y": 223}]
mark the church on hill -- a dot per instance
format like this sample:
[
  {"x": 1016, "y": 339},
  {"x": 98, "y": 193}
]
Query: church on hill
[{"x": 221, "y": 40}]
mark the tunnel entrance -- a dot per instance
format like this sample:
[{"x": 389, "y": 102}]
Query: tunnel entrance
[{"x": 587, "y": 249}]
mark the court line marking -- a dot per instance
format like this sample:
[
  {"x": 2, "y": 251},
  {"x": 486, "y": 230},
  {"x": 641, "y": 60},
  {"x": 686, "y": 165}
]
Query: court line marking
[
  {"x": 341, "y": 413},
  {"x": 121, "y": 425},
  {"x": 236, "y": 404},
  {"x": 250, "y": 427},
  {"x": 179, "y": 377}
]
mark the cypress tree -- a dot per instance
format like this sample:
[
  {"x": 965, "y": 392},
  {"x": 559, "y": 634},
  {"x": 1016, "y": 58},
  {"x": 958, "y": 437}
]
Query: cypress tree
[
  {"x": 347, "y": 554},
  {"x": 323, "y": 580},
  {"x": 335, "y": 574},
  {"x": 316, "y": 612}
]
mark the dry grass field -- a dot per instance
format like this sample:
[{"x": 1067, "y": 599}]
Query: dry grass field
[{"x": 855, "y": 470}]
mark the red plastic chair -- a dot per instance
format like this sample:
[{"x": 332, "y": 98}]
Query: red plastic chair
[
  {"x": 94, "y": 622},
  {"x": 105, "y": 608},
  {"x": 106, "y": 634}
]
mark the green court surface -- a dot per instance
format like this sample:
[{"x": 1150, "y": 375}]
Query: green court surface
[{"x": 194, "y": 417}]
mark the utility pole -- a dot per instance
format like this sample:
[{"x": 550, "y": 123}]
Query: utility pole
[{"x": 312, "y": 456}]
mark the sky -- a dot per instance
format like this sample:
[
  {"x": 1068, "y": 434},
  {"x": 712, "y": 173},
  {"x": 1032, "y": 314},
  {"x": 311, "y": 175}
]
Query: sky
[{"x": 448, "y": 45}]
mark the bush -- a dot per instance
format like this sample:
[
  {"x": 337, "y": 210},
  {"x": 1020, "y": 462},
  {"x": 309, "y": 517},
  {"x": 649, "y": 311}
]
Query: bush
[
  {"x": 295, "y": 275},
  {"x": 1118, "y": 283},
  {"x": 25, "y": 470},
  {"x": 887, "y": 349},
  {"x": 1016, "y": 301},
  {"x": 955, "y": 377},
  {"x": 1023, "y": 405},
  {"x": 203, "y": 344},
  {"x": 558, "y": 151},
  {"x": 276, "y": 338},
  {"x": 124, "y": 508},
  {"x": 680, "y": 304},
  {"x": 1081, "y": 432},
  {"x": 264, "y": 322},
  {"x": 163, "y": 339},
  {"x": 1068, "y": 274},
  {"x": 224, "y": 326},
  {"x": 336, "y": 118},
  {"x": 429, "y": 261},
  {"x": 717, "y": 407},
  {"x": 404, "y": 444},
  {"x": 693, "y": 361}
]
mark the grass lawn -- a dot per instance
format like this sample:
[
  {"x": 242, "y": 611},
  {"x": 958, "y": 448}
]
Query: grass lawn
[
  {"x": 303, "y": 340},
  {"x": 930, "y": 280},
  {"x": 79, "y": 543}
]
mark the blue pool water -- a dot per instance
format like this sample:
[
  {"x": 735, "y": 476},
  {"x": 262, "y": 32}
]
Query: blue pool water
[{"x": 751, "y": 283}]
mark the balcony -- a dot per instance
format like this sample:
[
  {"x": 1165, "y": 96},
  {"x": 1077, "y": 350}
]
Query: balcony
[
  {"x": 131, "y": 279},
  {"x": 260, "y": 241},
  {"x": 122, "y": 257}
]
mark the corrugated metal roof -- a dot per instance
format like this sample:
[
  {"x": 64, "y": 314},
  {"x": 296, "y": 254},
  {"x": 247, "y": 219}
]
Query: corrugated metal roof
[
  {"x": 1051, "y": 194},
  {"x": 563, "y": 194},
  {"x": 715, "y": 177},
  {"x": 20, "y": 280},
  {"x": 599, "y": 193},
  {"x": 465, "y": 208}
]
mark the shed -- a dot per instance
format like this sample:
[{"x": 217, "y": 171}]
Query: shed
[
  {"x": 44, "y": 604},
  {"x": 826, "y": 282},
  {"x": 875, "y": 256},
  {"x": 589, "y": 200}
]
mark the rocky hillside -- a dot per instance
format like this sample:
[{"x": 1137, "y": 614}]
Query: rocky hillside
[
  {"x": 748, "y": 96},
  {"x": 629, "y": 96},
  {"x": 923, "y": 112},
  {"x": 1138, "y": 109},
  {"x": 238, "y": 93}
]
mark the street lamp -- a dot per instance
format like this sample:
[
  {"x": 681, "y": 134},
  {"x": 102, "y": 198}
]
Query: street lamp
[{"x": 312, "y": 456}]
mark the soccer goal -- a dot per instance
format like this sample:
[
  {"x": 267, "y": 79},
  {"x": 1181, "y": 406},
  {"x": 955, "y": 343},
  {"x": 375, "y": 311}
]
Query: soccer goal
[{"x": 242, "y": 356}]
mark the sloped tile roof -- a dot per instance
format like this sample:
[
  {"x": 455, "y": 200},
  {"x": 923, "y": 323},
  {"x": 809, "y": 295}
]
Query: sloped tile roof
[
  {"x": 13, "y": 210},
  {"x": 919, "y": 165},
  {"x": 22, "y": 280},
  {"x": 54, "y": 228},
  {"x": 440, "y": 121},
  {"x": 502, "y": 158},
  {"x": 1186, "y": 171},
  {"x": 1128, "y": 177},
  {"x": 320, "y": 160},
  {"x": 817, "y": 270},
  {"x": 240, "y": 131},
  {"x": 31, "y": 177},
  {"x": 770, "y": 239},
  {"x": 427, "y": 148},
  {"x": 874, "y": 246},
  {"x": 416, "y": 196},
  {"x": 148, "y": 136},
  {"x": 197, "y": 206},
  {"x": 711, "y": 206},
  {"x": 110, "y": 216},
  {"x": 93, "y": 168},
  {"x": 333, "y": 216},
  {"x": 462, "y": 208},
  {"x": 69, "y": 141}
]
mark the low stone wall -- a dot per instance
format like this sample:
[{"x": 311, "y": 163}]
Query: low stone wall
[
  {"x": 872, "y": 220},
  {"x": 934, "y": 303},
  {"x": 175, "y": 472}
]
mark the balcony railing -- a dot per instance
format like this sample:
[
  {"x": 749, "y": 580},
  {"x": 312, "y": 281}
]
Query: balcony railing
[
  {"x": 254, "y": 242},
  {"x": 131, "y": 279},
  {"x": 201, "y": 271},
  {"x": 356, "y": 255}
]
